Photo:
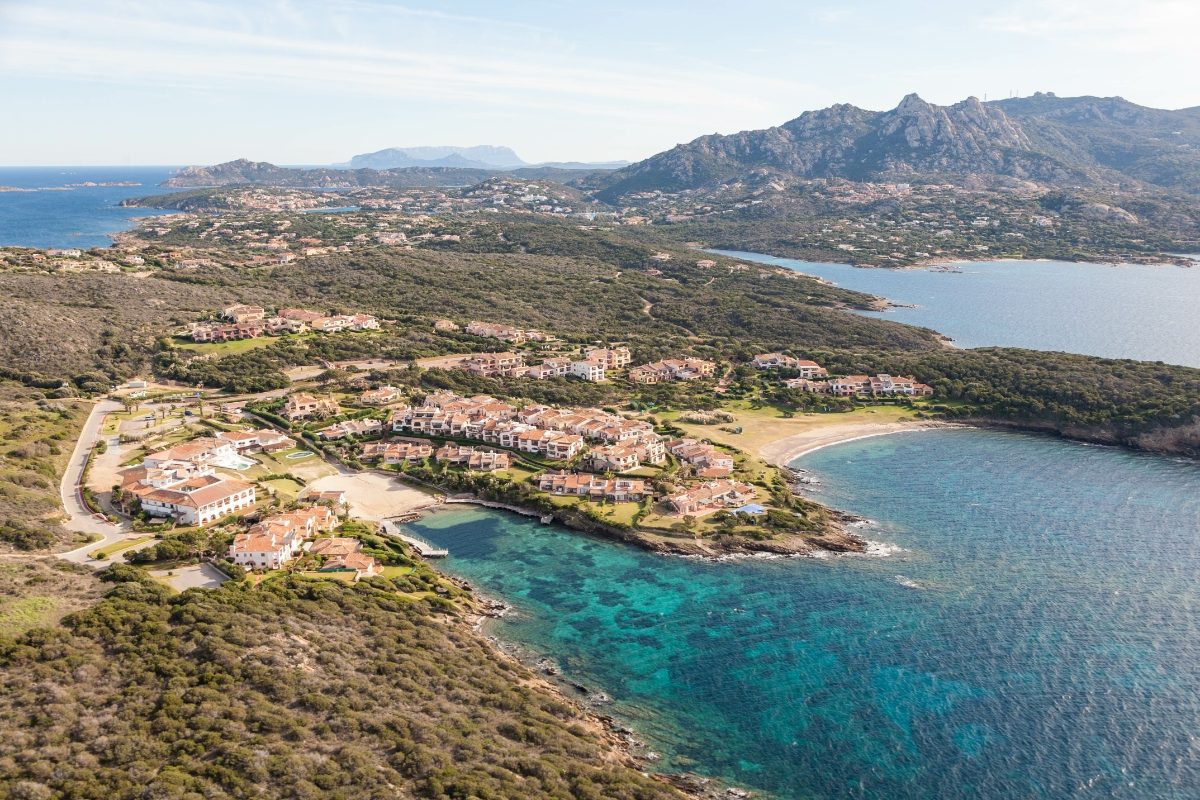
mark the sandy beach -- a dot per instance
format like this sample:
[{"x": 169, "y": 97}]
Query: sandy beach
[
  {"x": 787, "y": 449},
  {"x": 376, "y": 497}
]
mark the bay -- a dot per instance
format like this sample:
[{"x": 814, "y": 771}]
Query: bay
[
  {"x": 1133, "y": 311},
  {"x": 52, "y": 210},
  {"x": 1033, "y": 635}
]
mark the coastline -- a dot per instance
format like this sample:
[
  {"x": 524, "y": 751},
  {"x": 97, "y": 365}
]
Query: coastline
[{"x": 787, "y": 449}]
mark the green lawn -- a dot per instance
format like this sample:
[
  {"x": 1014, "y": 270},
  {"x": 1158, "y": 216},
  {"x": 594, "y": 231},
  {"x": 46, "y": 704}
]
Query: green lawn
[
  {"x": 288, "y": 489},
  {"x": 228, "y": 348},
  {"x": 117, "y": 547}
]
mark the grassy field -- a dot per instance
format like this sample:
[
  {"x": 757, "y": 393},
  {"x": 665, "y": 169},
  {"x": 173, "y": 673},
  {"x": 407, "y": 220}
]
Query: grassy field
[
  {"x": 36, "y": 440},
  {"x": 218, "y": 349},
  {"x": 37, "y": 592}
]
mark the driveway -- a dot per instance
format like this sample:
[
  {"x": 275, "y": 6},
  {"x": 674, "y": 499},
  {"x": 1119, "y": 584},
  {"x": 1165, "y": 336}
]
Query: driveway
[{"x": 196, "y": 576}]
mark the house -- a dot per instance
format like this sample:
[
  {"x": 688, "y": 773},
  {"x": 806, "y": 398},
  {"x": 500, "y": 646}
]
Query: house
[
  {"x": 490, "y": 364},
  {"x": 335, "y": 546},
  {"x": 199, "y": 500},
  {"x": 562, "y": 446},
  {"x": 594, "y": 487},
  {"x": 381, "y": 396},
  {"x": 612, "y": 358},
  {"x": 805, "y": 385},
  {"x": 614, "y": 457},
  {"x": 588, "y": 370},
  {"x": 674, "y": 369},
  {"x": 300, "y": 314},
  {"x": 260, "y": 550},
  {"x": 505, "y": 333},
  {"x": 304, "y": 406},
  {"x": 330, "y": 324},
  {"x": 242, "y": 313},
  {"x": 711, "y": 496},
  {"x": 205, "y": 450},
  {"x": 361, "y": 564},
  {"x": 364, "y": 322},
  {"x": 881, "y": 385},
  {"x": 352, "y": 427},
  {"x": 264, "y": 439},
  {"x": 704, "y": 458},
  {"x": 397, "y": 452},
  {"x": 446, "y": 326},
  {"x": 342, "y": 554},
  {"x": 489, "y": 460},
  {"x": 807, "y": 369},
  {"x": 550, "y": 368},
  {"x": 336, "y": 498},
  {"x": 278, "y": 326},
  {"x": 850, "y": 385}
]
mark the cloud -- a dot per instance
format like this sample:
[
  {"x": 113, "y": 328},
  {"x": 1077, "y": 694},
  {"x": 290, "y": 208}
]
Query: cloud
[
  {"x": 352, "y": 46},
  {"x": 1146, "y": 26}
]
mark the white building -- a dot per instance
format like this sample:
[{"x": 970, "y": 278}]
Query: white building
[
  {"x": 588, "y": 370},
  {"x": 199, "y": 500}
]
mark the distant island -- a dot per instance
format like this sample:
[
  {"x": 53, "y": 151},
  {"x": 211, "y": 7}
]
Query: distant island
[{"x": 476, "y": 157}]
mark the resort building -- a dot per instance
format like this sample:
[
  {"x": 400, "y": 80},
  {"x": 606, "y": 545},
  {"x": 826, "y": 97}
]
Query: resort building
[
  {"x": 263, "y": 440},
  {"x": 505, "y": 333},
  {"x": 207, "y": 450},
  {"x": 276, "y": 540},
  {"x": 352, "y": 427},
  {"x": 711, "y": 496},
  {"x": 473, "y": 458},
  {"x": 492, "y": 364},
  {"x": 612, "y": 358},
  {"x": 588, "y": 370},
  {"x": 305, "y": 406},
  {"x": 704, "y": 458},
  {"x": 807, "y": 369},
  {"x": 243, "y": 313},
  {"x": 593, "y": 487},
  {"x": 381, "y": 396},
  {"x": 198, "y": 500},
  {"x": 341, "y": 554},
  {"x": 673, "y": 369},
  {"x": 397, "y": 452}
]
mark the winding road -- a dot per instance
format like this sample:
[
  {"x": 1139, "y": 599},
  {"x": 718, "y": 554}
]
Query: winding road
[{"x": 79, "y": 517}]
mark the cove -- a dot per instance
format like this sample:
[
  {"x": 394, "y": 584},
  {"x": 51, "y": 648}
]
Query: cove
[
  {"x": 1034, "y": 635},
  {"x": 1124, "y": 311}
]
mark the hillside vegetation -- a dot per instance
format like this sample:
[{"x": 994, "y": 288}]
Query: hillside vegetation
[
  {"x": 38, "y": 436},
  {"x": 296, "y": 689}
]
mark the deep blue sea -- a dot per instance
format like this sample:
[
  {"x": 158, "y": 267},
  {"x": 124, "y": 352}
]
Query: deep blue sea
[
  {"x": 1148, "y": 313},
  {"x": 79, "y": 216},
  {"x": 1034, "y": 634}
]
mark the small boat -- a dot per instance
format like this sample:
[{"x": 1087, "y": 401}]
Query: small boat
[{"x": 546, "y": 519}]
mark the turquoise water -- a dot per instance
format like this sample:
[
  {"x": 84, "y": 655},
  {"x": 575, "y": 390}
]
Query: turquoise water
[
  {"x": 82, "y": 216},
  {"x": 1035, "y": 636},
  {"x": 1130, "y": 311}
]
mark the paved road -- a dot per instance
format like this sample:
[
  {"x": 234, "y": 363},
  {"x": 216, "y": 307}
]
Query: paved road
[{"x": 79, "y": 518}]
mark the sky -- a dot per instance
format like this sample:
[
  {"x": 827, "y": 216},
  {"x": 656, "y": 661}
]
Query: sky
[{"x": 299, "y": 82}]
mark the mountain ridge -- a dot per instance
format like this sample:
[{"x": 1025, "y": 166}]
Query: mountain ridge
[{"x": 1056, "y": 141}]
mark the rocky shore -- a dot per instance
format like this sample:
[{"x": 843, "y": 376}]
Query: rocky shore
[{"x": 542, "y": 672}]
